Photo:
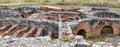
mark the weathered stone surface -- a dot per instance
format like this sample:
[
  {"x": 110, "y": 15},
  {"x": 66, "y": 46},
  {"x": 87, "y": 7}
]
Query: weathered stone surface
[
  {"x": 96, "y": 45},
  {"x": 27, "y": 11},
  {"x": 104, "y": 4},
  {"x": 47, "y": 27},
  {"x": 99, "y": 9},
  {"x": 10, "y": 14},
  {"x": 54, "y": 16},
  {"x": 106, "y": 14},
  {"x": 79, "y": 37},
  {"x": 82, "y": 44},
  {"x": 95, "y": 25}
]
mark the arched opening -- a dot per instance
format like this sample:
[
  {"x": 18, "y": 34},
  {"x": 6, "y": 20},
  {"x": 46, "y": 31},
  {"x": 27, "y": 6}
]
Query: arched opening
[
  {"x": 82, "y": 32},
  {"x": 106, "y": 31}
]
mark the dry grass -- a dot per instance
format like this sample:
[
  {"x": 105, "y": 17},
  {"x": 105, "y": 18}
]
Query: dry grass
[
  {"x": 77, "y": 1},
  {"x": 50, "y": 2}
]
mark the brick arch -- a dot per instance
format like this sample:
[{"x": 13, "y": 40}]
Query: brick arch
[
  {"x": 82, "y": 26},
  {"x": 114, "y": 26}
]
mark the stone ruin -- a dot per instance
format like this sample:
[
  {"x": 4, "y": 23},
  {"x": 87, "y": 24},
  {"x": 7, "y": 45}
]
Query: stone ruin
[
  {"x": 28, "y": 28},
  {"x": 100, "y": 9},
  {"x": 106, "y": 14},
  {"x": 39, "y": 27},
  {"x": 29, "y": 22},
  {"x": 54, "y": 16},
  {"x": 17, "y": 13},
  {"x": 6, "y": 14},
  {"x": 26, "y": 11}
]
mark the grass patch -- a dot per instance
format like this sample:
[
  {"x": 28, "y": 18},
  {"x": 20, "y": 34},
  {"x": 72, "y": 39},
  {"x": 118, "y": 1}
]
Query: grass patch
[
  {"x": 6, "y": 1},
  {"x": 95, "y": 39},
  {"x": 91, "y": 38}
]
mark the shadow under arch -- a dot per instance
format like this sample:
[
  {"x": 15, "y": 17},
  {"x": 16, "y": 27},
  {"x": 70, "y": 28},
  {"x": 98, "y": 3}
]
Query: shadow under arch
[
  {"x": 82, "y": 32},
  {"x": 106, "y": 30}
]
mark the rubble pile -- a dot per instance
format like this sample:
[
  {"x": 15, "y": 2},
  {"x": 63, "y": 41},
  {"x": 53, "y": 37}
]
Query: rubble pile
[{"x": 46, "y": 41}]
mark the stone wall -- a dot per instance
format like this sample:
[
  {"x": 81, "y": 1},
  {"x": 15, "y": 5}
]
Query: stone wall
[
  {"x": 106, "y": 14},
  {"x": 93, "y": 26}
]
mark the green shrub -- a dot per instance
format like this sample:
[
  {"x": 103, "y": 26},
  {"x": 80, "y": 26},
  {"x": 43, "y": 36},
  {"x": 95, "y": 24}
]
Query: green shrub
[
  {"x": 91, "y": 37},
  {"x": 66, "y": 39},
  {"x": 80, "y": 16},
  {"x": 55, "y": 41}
]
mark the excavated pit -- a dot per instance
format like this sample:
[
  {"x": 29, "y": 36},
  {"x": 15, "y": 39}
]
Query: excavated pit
[
  {"x": 23, "y": 28},
  {"x": 15, "y": 30},
  {"x": 63, "y": 16}
]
